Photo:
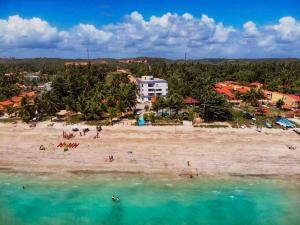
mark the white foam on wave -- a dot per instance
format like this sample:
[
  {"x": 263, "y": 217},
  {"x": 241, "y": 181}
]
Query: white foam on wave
[
  {"x": 165, "y": 180},
  {"x": 231, "y": 196},
  {"x": 44, "y": 178},
  {"x": 216, "y": 192}
]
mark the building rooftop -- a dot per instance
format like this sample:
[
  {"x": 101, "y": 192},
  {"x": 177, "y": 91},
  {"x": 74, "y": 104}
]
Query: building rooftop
[
  {"x": 146, "y": 79},
  {"x": 16, "y": 99},
  {"x": 190, "y": 100},
  {"x": 295, "y": 97},
  {"x": 6, "y": 103}
]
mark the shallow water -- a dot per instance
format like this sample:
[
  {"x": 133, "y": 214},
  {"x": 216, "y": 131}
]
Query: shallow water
[{"x": 86, "y": 199}]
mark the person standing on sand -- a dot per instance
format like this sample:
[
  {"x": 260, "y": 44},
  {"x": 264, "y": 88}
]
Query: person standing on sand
[{"x": 188, "y": 163}]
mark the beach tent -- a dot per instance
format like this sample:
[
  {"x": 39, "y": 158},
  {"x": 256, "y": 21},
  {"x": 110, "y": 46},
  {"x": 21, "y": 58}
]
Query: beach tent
[
  {"x": 284, "y": 122},
  {"x": 141, "y": 121}
]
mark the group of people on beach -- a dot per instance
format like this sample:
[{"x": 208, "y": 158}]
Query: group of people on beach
[
  {"x": 110, "y": 158},
  {"x": 67, "y": 135},
  {"x": 84, "y": 131}
]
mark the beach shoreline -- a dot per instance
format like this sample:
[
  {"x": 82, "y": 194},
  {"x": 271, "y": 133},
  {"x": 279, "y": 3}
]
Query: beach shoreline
[{"x": 151, "y": 150}]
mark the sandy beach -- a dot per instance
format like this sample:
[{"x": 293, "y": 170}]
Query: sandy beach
[{"x": 161, "y": 150}]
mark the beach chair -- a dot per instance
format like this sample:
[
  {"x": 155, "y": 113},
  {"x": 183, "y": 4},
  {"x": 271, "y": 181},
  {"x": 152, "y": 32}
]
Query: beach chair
[{"x": 59, "y": 145}]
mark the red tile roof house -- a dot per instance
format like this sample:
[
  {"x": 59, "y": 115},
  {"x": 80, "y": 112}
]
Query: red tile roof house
[
  {"x": 296, "y": 99},
  {"x": 16, "y": 99},
  {"x": 243, "y": 89},
  {"x": 256, "y": 84},
  {"x": 225, "y": 92},
  {"x": 28, "y": 94},
  {"x": 6, "y": 103},
  {"x": 190, "y": 101}
]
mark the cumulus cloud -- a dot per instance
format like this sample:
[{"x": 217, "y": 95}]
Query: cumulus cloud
[
  {"x": 288, "y": 29},
  {"x": 82, "y": 36},
  {"x": 250, "y": 29},
  {"x": 168, "y": 35},
  {"x": 19, "y": 32}
]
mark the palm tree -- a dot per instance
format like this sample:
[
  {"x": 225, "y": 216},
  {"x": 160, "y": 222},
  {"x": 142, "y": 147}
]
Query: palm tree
[{"x": 252, "y": 96}]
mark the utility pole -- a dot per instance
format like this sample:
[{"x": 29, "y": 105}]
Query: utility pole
[{"x": 88, "y": 53}]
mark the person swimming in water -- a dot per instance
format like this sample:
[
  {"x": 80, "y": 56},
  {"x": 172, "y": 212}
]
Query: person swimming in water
[{"x": 115, "y": 198}]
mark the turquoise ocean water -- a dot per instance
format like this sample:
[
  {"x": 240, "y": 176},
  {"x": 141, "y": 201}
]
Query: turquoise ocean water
[{"x": 86, "y": 199}]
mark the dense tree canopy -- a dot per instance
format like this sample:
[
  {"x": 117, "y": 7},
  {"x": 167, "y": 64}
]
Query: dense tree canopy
[{"x": 98, "y": 91}]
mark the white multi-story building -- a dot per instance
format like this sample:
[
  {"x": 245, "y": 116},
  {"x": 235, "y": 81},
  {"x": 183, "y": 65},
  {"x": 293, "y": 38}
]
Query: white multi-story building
[{"x": 150, "y": 86}]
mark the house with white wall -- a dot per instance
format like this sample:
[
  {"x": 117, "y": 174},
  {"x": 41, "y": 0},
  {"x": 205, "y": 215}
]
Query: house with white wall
[{"x": 150, "y": 86}]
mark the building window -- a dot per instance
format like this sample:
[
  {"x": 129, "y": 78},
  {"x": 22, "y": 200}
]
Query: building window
[
  {"x": 150, "y": 85},
  {"x": 158, "y": 89},
  {"x": 150, "y": 89}
]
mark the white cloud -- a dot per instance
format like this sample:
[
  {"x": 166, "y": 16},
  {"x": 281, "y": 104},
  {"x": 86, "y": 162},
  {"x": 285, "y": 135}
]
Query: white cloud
[
  {"x": 222, "y": 33},
  {"x": 187, "y": 16},
  {"x": 250, "y": 29},
  {"x": 82, "y": 36},
  {"x": 19, "y": 32},
  {"x": 167, "y": 36},
  {"x": 288, "y": 29}
]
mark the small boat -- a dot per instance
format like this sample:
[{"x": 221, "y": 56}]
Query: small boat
[
  {"x": 297, "y": 130},
  {"x": 268, "y": 125}
]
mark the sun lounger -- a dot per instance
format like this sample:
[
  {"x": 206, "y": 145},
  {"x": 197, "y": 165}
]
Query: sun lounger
[{"x": 60, "y": 145}]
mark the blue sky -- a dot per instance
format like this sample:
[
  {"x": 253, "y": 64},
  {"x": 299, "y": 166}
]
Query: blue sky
[{"x": 110, "y": 28}]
